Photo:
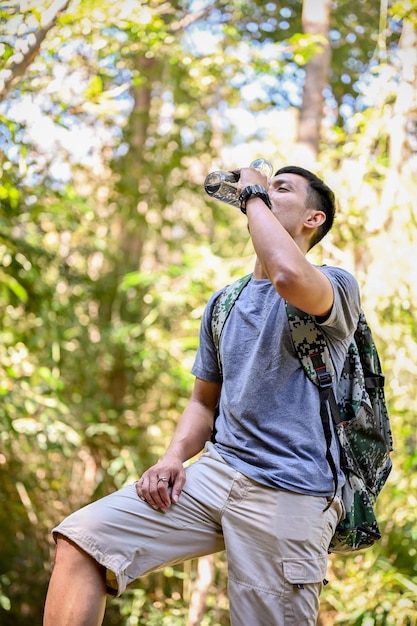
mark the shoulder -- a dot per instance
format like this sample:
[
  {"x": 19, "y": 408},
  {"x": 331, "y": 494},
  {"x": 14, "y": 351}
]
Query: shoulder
[
  {"x": 340, "y": 278},
  {"x": 209, "y": 310},
  {"x": 332, "y": 271},
  {"x": 229, "y": 294},
  {"x": 212, "y": 300},
  {"x": 343, "y": 318}
]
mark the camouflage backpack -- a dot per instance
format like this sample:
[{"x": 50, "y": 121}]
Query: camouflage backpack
[{"x": 358, "y": 410}]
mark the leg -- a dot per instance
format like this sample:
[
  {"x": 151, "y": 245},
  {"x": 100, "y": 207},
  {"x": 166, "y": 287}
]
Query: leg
[
  {"x": 276, "y": 543},
  {"x": 77, "y": 590},
  {"x": 115, "y": 540}
]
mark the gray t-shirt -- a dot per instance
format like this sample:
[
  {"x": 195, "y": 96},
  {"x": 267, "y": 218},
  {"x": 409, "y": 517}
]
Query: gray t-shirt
[{"x": 269, "y": 425}]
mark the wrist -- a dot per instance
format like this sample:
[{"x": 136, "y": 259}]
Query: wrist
[{"x": 253, "y": 191}]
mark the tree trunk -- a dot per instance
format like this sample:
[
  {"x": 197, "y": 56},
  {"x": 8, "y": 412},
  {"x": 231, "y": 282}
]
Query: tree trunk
[
  {"x": 129, "y": 226},
  {"x": 406, "y": 102},
  {"x": 403, "y": 120},
  {"x": 315, "y": 18},
  {"x": 205, "y": 575}
]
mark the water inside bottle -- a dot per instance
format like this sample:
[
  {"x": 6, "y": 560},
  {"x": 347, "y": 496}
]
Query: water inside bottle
[
  {"x": 223, "y": 185},
  {"x": 213, "y": 182},
  {"x": 226, "y": 192},
  {"x": 263, "y": 166}
]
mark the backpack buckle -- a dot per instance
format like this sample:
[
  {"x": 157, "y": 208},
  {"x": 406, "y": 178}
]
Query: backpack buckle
[{"x": 324, "y": 378}]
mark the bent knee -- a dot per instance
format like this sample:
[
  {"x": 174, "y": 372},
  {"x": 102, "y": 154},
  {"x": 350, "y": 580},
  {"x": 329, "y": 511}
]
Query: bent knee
[{"x": 70, "y": 555}]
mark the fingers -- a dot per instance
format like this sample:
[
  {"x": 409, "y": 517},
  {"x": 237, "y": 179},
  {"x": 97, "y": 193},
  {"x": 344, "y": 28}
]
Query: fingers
[
  {"x": 154, "y": 491},
  {"x": 177, "y": 486},
  {"x": 236, "y": 174},
  {"x": 251, "y": 176},
  {"x": 158, "y": 490}
]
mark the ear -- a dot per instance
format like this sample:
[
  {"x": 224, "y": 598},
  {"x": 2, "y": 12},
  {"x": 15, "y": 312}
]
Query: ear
[{"x": 314, "y": 219}]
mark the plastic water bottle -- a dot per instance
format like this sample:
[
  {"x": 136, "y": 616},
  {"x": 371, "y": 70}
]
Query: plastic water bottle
[{"x": 223, "y": 185}]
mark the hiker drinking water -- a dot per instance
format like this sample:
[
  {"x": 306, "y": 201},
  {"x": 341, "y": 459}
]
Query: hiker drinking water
[{"x": 263, "y": 487}]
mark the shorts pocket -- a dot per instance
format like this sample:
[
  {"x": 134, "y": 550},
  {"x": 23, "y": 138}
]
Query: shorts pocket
[
  {"x": 302, "y": 587},
  {"x": 300, "y": 572}
]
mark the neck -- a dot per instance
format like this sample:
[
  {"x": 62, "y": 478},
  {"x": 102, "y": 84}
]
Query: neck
[{"x": 259, "y": 273}]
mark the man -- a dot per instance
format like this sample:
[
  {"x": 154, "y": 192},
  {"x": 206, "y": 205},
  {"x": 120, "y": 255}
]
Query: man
[{"x": 263, "y": 489}]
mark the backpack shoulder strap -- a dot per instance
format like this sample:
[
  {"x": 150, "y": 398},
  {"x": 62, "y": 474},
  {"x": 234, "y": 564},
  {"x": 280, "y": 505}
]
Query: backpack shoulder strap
[
  {"x": 311, "y": 348},
  {"x": 310, "y": 345},
  {"x": 224, "y": 304}
]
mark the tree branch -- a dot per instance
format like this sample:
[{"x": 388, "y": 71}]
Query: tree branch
[
  {"x": 19, "y": 62},
  {"x": 190, "y": 18}
]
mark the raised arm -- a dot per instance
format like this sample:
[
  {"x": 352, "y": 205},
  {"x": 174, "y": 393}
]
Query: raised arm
[
  {"x": 281, "y": 238},
  {"x": 194, "y": 429}
]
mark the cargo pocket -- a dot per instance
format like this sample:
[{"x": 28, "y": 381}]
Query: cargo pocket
[
  {"x": 305, "y": 571},
  {"x": 303, "y": 583}
]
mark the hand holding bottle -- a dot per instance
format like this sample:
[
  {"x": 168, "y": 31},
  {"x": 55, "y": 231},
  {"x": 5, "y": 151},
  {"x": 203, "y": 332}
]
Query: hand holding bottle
[{"x": 223, "y": 185}]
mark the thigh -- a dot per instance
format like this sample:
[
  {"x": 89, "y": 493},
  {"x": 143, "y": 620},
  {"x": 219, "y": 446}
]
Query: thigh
[
  {"x": 129, "y": 538},
  {"x": 277, "y": 545}
]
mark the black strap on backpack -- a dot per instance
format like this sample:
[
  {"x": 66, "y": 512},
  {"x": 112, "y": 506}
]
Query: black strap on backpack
[
  {"x": 311, "y": 348},
  {"x": 327, "y": 400}
]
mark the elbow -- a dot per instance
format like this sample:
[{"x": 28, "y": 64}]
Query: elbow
[{"x": 286, "y": 281}]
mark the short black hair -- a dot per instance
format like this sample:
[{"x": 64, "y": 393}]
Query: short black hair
[{"x": 319, "y": 195}]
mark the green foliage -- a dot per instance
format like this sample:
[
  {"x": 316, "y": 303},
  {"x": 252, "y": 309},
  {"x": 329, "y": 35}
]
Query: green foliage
[{"x": 109, "y": 251}]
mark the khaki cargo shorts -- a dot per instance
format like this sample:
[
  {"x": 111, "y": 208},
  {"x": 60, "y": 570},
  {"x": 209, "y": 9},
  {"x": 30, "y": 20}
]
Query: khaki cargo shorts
[{"x": 276, "y": 541}]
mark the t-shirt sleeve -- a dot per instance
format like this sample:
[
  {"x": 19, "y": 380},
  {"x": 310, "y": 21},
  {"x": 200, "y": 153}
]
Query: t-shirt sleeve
[
  {"x": 206, "y": 365},
  {"x": 343, "y": 317}
]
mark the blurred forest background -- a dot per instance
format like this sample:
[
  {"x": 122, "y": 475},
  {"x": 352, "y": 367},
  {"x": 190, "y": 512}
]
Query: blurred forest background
[{"x": 112, "y": 112}]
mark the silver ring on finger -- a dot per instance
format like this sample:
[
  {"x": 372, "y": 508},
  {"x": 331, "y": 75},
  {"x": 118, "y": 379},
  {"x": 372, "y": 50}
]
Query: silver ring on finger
[{"x": 163, "y": 479}]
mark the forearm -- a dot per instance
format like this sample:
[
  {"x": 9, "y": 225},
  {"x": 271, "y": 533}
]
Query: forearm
[
  {"x": 282, "y": 261},
  {"x": 193, "y": 430},
  {"x": 281, "y": 237},
  {"x": 280, "y": 257},
  {"x": 162, "y": 483}
]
